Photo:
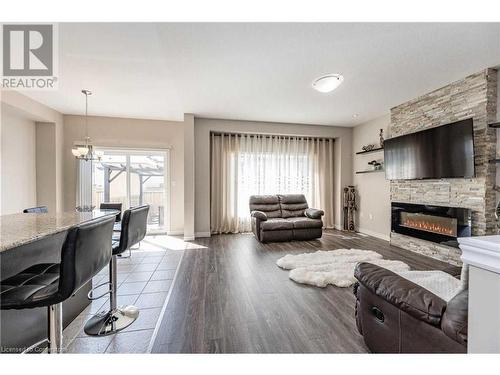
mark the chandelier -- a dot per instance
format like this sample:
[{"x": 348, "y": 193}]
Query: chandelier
[{"x": 86, "y": 151}]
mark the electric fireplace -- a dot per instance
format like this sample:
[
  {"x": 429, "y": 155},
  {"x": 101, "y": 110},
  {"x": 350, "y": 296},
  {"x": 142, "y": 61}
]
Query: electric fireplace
[{"x": 432, "y": 223}]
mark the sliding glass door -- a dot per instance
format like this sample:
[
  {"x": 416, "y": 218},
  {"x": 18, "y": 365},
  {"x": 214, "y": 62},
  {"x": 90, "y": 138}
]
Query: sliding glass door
[{"x": 133, "y": 178}]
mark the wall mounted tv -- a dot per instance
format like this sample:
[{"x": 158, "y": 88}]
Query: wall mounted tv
[{"x": 446, "y": 151}]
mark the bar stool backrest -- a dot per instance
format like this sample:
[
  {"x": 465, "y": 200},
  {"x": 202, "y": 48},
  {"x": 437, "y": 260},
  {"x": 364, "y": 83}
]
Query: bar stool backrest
[
  {"x": 36, "y": 210},
  {"x": 134, "y": 226},
  {"x": 86, "y": 251},
  {"x": 112, "y": 206}
]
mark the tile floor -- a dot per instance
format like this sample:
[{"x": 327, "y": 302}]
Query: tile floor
[{"x": 144, "y": 280}]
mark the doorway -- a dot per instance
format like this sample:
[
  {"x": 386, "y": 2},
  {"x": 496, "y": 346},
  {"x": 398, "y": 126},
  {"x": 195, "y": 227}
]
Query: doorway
[{"x": 133, "y": 178}]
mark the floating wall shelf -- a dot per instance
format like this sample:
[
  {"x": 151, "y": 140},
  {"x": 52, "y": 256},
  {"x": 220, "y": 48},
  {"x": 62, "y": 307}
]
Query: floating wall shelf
[
  {"x": 368, "y": 152},
  {"x": 370, "y": 171}
]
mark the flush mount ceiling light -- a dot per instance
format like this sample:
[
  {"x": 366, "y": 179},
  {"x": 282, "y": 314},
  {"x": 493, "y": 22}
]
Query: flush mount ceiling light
[{"x": 328, "y": 83}]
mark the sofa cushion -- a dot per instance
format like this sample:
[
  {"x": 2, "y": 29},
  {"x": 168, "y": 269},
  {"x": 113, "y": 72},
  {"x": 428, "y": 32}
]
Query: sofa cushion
[
  {"x": 305, "y": 222},
  {"x": 293, "y": 205},
  {"x": 269, "y": 204},
  {"x": 276, "y": 224},
  {"x": 293, "y": 210},
  {"x": 264, "y": 199},
  {"x": 292, "y": 198}
]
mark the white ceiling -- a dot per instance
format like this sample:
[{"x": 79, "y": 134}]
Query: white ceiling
[{"x": 262, "y": 72}]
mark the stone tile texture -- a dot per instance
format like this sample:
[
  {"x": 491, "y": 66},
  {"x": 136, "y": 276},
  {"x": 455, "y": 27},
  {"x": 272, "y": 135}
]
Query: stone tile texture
[{"x": 472, "y": 97}]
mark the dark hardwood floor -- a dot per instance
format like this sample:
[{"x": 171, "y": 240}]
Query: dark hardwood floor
[{"x": 230, "y": 297}]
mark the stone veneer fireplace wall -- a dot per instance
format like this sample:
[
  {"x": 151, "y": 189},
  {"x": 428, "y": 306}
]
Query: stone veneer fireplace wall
[{"x": 474, "y": 96}]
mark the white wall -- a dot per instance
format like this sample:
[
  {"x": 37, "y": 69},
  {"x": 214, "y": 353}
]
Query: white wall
[
  {"x": 18, "y": 159},
  {"x": 129, "y": 133},
  {"x": 203, "y": 127},
  {"x": 374, "y": 206}
]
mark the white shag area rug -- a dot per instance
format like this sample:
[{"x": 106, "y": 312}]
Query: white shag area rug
[{"x": 336, "y": 267}]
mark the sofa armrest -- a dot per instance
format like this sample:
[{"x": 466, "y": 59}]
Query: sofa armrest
[
  {"x": 454, "y": 322},
  {"x": 313, "y": 213},
  {"x": 259, "y": 215},
  {"x": 402, "y": 293}
]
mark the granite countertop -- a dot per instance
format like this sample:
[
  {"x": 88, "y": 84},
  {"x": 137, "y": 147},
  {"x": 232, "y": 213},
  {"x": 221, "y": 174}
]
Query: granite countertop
[{"x": 20, "y": 229}]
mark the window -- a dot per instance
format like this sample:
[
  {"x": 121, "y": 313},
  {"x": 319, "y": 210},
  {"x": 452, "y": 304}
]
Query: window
[
  {"x": 243, "y": 165},
  {"x": 270, "y": 173}
]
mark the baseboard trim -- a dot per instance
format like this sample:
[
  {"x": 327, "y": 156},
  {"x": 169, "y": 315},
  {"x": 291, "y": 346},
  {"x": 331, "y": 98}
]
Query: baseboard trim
[
  {"x": 202, "y": 234},
  {"x": 375, "y": 234},
  {"x": 189, "y": 238}
]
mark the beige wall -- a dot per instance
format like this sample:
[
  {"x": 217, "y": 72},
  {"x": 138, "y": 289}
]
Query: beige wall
[
  {"x": 18, "y": 159},
  {"x": 46, "y": 177},
  {"x": 189, "y": 144},
  {"x": 50, "y": 191},
  {"x": 374, "y": 206},
  {"x": 203, "y": 127},
  {"x": 129, "y": 133},
  {"x": 189, "y": 177}
]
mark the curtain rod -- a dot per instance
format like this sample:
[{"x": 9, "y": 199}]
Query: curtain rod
[{"x": 218, "y": 134}]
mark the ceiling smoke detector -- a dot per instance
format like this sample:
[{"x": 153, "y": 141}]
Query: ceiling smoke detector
[{"x": 328, "y": 83}]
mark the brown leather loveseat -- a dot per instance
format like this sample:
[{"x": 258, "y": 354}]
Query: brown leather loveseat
[
  {"x": 394, "y": 315},
  {"x": 284, "y": 218}
]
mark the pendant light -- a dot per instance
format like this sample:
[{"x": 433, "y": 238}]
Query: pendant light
[{"x": 86, "y": 151}]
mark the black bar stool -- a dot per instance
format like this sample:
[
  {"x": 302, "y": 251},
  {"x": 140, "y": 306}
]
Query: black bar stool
[
  {"x": 86, "y": 250},
  {"x": 36, "y": 210},
  {"x": 113, "y": 206},
  {"x": 133, "y": 230}
]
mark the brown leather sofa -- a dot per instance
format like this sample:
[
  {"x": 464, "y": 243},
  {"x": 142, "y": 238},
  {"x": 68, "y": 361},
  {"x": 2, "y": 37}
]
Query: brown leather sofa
[
  {"x": 394, "y": 315},
  {"x": 284, "y": 218}
]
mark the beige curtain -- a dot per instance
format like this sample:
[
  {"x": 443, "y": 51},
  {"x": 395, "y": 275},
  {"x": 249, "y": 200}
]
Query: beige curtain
[
  {"x": 84, "y": 185},
  {"x": 242, "y": 165},
  {"x": 324, "y": 186},
  {"x": 223, "y": 207}
]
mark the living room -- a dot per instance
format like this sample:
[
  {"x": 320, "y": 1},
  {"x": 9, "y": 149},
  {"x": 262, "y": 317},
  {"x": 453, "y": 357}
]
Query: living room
[{"x": 250, "y": 188}]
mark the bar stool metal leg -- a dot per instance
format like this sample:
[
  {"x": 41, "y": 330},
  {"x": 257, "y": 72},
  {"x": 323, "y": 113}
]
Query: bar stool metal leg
[
  {"x": 117, "y": 318},
  {"x": 54, "y": 337},
  {"x": 55, "y": 328}
]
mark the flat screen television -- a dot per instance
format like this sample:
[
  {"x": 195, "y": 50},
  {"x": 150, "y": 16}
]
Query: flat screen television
[{"x": 446, "y": 151}]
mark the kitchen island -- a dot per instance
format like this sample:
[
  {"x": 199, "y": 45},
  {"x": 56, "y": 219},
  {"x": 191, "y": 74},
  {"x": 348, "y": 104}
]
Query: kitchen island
[{"x": 25, "y": 240}]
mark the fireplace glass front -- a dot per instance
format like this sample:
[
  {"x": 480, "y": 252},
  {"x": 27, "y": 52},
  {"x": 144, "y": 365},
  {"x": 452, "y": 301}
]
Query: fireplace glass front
[
  {"x": 435, "y": 224},
  {"x": 432, "y": 223}
]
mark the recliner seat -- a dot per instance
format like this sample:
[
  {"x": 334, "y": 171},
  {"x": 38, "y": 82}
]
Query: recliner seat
[
  {"x": 284, "y": 218},
  {"x": 395, "y": 315}
]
